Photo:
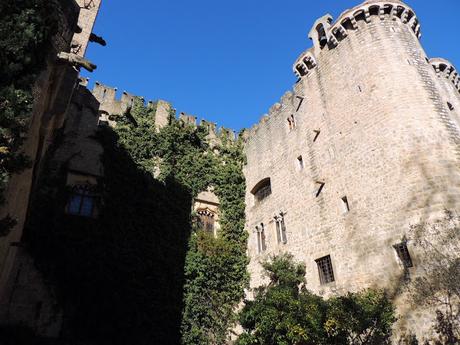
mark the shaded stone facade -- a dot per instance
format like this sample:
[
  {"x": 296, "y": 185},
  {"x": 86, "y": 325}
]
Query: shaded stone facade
[{"x": 24, "y": 296}]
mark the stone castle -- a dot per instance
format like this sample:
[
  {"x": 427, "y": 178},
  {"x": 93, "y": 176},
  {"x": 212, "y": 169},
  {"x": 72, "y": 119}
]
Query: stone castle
[{"x": 364, "y": 146}]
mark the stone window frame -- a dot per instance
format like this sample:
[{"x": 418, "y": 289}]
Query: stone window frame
[
  {"x": 292, "y": 123},
  {"x": 403, "y": 254},
  {"x": 262, "y": 190},
  {"x": 280, "y": 228},
  {"x": 207, "y": 220},
  {"x": 325, "y": 270},
  {"x": 261, "y": 238}
]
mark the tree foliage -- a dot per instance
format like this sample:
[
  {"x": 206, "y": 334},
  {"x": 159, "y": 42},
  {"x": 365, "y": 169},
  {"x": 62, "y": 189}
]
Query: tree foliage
[
  {"x": 284, "y": 312},
  {"x": 437, "y": 285}
]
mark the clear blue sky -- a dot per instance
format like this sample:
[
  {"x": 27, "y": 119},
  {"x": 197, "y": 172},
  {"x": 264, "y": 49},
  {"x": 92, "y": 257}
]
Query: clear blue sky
[{"x": 228, "y": 61}]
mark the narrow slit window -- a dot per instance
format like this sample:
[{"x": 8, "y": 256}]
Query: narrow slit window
[
  {"x": 359, "y": 88},
  {"x": 403, "y": 254},
  {"x": 320, "y": 186},
  {"x": 300, "y": 102},
  {"x": 325, "y": 270},
  {"x": 450, "y": 106},
  {"x": 345, "y": 205},
  {"x": 261, "y": 243},
  {"x": 281, "y": 235},
  {"x": 316, "y": 132},
  {"x": 300, "y": 163},
  {"x": 291, "y": 122}
]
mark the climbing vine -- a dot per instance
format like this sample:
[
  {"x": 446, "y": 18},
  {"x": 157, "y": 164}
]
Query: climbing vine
[
  {"x": 26, "y": 28},
  {"x": 215, "y": 268},
  {"x": 143, "y": 269}
]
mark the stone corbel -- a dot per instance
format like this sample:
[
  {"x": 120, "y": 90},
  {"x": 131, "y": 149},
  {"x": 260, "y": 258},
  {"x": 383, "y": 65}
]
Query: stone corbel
[{"x": 76, "y": 61}]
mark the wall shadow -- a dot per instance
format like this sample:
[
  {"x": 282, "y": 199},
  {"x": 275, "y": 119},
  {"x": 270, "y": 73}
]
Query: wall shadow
[{"x": 118, "y": 277}]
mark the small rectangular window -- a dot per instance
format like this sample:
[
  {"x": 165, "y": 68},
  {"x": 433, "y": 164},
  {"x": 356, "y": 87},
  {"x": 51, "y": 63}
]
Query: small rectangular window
[
  {"x": 281, "y": 235},
  {"x": 261, "y": 244},
  {"x": 403, "y": 254},
  {"x": 325, "y": 270},
  {"x": 345, "y": 205},
  {"x": 300, "y": 162}
]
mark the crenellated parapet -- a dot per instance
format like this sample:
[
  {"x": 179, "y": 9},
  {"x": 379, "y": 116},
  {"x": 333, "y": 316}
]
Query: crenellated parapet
[
  {"x": 325, "y": 33},
  {"x": 289, "y": 101},
  {"x": 187, "y": 119},
  {"x": 304, "y": 64},
  {"x": 111, "y": 108},
  {"x": 445, "y": 69}
]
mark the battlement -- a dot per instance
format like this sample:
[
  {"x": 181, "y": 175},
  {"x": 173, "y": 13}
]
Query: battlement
[
  {"x": 447, "y": 70},
  {"x": 325, "y": 33},
  {"x": 111, "y": 107},
  {"x": 290, "y": 100}
]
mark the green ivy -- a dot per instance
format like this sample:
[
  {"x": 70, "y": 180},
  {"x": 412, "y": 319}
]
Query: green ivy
[
  {"x": 140, "y": 271},
  {"x": 215, "y": 268}
]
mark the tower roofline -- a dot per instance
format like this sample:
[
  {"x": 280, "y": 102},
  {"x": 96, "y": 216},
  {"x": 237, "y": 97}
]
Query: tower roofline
[{"x": 328, "y": 33}]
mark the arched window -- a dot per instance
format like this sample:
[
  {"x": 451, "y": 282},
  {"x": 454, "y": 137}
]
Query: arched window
[
  {"x": 262, "y": 189},
  {"x": 207, "y": 220}
]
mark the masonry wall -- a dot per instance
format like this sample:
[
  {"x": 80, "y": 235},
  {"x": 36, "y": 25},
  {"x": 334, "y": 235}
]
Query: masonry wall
[
  {"x": 24, "y": 296},
  {"x": 386, "y": 142}
]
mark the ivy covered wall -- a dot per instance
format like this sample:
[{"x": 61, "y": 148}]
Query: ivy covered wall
[{"x": 143, "y": 271}]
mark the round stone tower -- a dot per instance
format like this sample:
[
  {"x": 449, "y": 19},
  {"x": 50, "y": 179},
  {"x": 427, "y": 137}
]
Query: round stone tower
[{"x": 365, "y": 146}]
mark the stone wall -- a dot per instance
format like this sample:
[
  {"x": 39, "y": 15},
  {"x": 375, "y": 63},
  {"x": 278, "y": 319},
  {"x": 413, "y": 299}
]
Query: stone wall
[
  {"x": 24, "y": 298},
  {"x": 367, "y": 123}
]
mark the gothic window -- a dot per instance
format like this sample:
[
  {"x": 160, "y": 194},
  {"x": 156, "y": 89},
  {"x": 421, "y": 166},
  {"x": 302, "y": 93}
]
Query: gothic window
[
  {"x": 262, "y": 190},
  {"x": 326, "y": 273},
  {"x": 261, "y": 244},
  {"x": 281, "y": 229},
  {"x": 403, "y": 254},
  {"x": 82, "y": 201},
  {"x": 207, "y": 220}
]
